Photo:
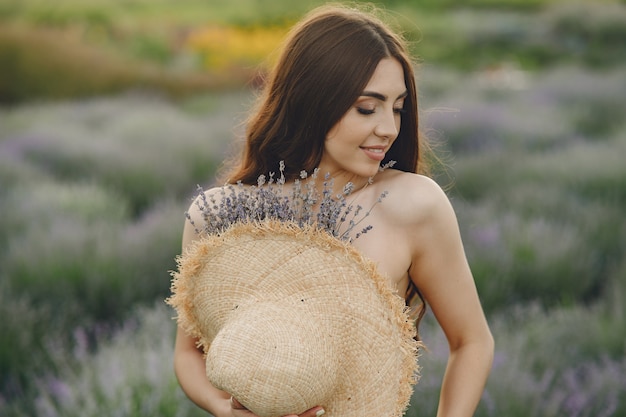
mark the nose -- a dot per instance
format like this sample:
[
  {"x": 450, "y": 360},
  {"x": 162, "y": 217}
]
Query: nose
[{"x": 388, "y": 126}]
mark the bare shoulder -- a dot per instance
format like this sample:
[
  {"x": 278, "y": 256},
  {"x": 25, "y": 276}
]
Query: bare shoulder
[
  {"x": 204, "y": 200},
  {"x": 196, "y": 215},
  {"x": 412, "y": 198},
  {"x": 419, "y": 209}
]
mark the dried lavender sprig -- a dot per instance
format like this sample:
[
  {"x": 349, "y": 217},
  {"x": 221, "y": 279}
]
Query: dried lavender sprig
[
  {"x": 354, "y": 223},
  {"x": 267, "y": 199}
]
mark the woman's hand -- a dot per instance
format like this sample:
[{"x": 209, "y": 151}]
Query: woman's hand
[{"x": 240, "y": 411}]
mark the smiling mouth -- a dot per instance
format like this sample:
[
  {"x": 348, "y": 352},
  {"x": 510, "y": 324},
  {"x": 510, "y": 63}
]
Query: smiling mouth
[
  {"x": 373, "y": 148},
  {"x": 377, "y": 154}
]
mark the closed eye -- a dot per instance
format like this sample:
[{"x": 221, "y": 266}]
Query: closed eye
[{"x": 364, "y": 111}]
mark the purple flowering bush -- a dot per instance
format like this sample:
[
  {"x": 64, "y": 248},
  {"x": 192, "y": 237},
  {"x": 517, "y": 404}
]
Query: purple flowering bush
[
  {"x": 92, "y": 196},
  {"x": 137, "y": 145},
  {"x": 131, "y": 374},
  {"x": 538, "y": 190}
]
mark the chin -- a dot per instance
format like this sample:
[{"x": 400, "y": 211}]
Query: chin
[{"x": 368, "y": 171}]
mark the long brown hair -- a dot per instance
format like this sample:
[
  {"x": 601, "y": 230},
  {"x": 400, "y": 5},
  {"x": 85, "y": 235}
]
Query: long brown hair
[{"x": 326, "y": 62}]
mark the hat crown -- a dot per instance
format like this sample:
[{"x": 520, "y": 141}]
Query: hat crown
[{"x": 274, "y": 359}]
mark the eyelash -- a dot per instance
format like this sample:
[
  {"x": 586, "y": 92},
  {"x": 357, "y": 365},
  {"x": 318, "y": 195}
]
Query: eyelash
[{"x": 367, "y": 112}]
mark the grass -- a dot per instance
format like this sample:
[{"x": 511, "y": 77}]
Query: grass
[
  {"x": 41, "y": 62},
  {"x": 185, "y": 47}
]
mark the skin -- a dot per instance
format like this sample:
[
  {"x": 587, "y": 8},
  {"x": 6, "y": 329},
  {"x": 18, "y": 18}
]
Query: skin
[{"x": 414, "y": 236}]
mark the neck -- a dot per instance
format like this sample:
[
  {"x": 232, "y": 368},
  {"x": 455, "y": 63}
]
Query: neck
[{"x": 341, "y": 181}]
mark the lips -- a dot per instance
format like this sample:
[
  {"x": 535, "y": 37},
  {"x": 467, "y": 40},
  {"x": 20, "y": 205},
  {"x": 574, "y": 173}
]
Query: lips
[{"x": 377, "y": 153}]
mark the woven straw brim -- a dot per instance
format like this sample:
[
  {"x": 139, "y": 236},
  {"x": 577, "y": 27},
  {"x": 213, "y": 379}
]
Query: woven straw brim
[{"x": 291, "y": 318}]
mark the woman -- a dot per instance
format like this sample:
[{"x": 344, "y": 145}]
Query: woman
[{"x": 342, "y": 98}]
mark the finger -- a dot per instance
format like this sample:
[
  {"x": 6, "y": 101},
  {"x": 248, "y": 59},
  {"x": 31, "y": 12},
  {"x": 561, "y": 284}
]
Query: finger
[
  {"x": 236, "y": 405},
  {"x": 313, "y": 412}
]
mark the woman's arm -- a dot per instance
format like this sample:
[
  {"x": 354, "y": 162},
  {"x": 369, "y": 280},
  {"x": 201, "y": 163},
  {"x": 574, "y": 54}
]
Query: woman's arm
[
  {"x": 189, "y": 367},
  {"x": 189, "y": 364},
  {"x": 440, "y": 270}
]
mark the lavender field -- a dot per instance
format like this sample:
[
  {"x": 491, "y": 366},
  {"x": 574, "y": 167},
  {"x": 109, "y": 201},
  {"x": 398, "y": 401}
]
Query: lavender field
[{"x": 93, "y": 190}]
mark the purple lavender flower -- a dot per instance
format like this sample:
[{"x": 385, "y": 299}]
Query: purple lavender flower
[{"x": 268, "y": 200}]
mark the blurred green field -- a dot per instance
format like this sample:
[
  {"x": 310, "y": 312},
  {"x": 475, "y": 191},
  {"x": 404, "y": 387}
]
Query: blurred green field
[
  {"x": 72, "y": 48},
  {"x": 112, "y": 111}
]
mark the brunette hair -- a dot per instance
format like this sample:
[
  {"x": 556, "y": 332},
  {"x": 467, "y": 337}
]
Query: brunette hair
[{"x": 326, "y": 62}]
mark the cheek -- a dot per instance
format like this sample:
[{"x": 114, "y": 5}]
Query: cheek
[
  {"x": 332, "y": 133},
  {"x": 332, "y": 145}
]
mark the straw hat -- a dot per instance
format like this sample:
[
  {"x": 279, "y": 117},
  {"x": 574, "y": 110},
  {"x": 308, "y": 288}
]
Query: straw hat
[{"x": 290, "y": 318}]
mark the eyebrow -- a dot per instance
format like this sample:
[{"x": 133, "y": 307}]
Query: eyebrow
[{"x": 382, "y": 97}]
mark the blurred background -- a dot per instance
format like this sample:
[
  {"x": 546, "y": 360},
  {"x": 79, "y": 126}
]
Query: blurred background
[{"x": 111, "y": 111}]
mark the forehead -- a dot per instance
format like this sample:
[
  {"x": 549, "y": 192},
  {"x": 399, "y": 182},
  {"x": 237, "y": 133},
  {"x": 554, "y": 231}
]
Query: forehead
[{"x": 388, "y": 77}]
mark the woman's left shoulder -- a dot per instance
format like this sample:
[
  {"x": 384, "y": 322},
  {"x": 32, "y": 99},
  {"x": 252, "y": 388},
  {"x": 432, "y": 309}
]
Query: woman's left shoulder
[
  {"x": 409, "y": 186},
  {"x": 412, "y": 195}
]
